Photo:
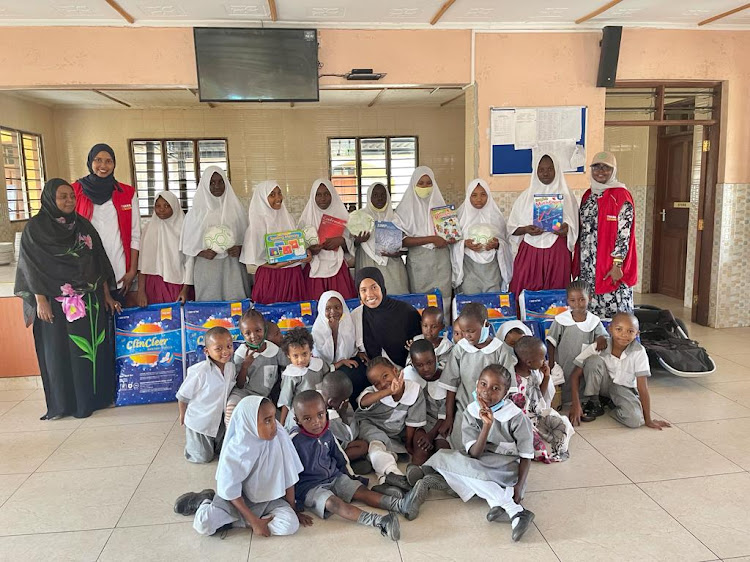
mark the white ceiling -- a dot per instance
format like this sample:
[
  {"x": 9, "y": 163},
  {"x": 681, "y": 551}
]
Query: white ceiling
[
  {"x": 476, "y": 14},
  {"x": 185, "y": 99}
]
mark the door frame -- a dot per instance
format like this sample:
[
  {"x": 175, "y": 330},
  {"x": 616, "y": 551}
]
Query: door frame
[{"x": 704, "y": 244}]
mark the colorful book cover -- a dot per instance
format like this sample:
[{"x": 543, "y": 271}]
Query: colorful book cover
[
  {"x": 548, "y": 212},
  {"x": 330, "y": 227},
  {"x": 286, "y": 246},
  {"x": 388, "y": 237},
  {"x": 446, "y": 224}
]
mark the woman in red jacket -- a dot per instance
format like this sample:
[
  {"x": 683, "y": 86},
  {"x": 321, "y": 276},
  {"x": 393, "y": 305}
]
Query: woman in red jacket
[
  {"x": 112, "y": 208},
  {"x": 606, "y": 245}
]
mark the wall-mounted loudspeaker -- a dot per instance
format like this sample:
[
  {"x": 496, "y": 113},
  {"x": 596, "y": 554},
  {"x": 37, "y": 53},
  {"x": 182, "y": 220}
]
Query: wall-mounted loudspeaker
[{"x": 610, "y": 54}]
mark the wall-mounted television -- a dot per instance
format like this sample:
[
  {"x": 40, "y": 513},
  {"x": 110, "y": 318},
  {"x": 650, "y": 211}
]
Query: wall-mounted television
[{"x": 241, "y": 64}]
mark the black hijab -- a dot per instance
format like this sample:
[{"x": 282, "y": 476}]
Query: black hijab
[
  {"x": 99, "y": 190},
  {"x": 58, "y": 248},
  {"x": 388, "y": 326}
]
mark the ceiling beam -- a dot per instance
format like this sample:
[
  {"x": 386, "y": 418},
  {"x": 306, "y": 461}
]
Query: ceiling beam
[
  {"x": 114, "y": 99},
  {"x": 441, "y": 11},
  {"x": 120, "y": 10},
  {"x": 723, "y": 15},
  {"x": 272, "y": 9},
  {"x": 598, "y": 11},
  {"x": 380, "y": 93}
]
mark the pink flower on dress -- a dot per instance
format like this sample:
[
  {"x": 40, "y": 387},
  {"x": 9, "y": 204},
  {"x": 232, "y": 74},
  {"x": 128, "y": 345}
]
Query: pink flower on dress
[
  {"x": 67, "y": 290},
  {"x": 86, "y": 239},
  {"x": 61, "y": 220},
  {"x": 73, "y": 307}
]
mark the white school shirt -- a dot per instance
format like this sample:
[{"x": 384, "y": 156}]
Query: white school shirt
[
  {"x": 206, "y": 390},
  {"x": 104, "y": 220},
  {"x": 623, "y": 370}
]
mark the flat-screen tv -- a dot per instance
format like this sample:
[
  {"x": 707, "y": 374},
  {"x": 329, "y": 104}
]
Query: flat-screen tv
[{"x": 240, "y": 64}]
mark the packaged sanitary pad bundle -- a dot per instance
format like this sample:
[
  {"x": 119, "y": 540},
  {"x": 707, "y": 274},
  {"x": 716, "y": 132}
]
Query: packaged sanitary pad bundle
[{"x": 202, "y": 316}]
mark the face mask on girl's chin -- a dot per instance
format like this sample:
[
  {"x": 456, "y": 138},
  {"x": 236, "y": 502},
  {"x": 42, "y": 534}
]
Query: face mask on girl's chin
[
  {"x": 423, "y": 192},
  {"x": 494, "y": 408},
  {"x": 484, "y": 334}
]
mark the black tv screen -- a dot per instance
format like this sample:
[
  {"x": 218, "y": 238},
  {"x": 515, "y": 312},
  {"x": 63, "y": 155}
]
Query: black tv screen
[{"x": 238, "y": 64}]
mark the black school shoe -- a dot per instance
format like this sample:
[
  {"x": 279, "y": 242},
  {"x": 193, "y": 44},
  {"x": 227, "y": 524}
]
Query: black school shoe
[
  {"x": 398, "y": 480},
  {"x": 387, "y": 490},
  {"x": 188, "y": 504},
  {"x": 593, "y": 410},
  {"x": 498, "y": 514},
  {"x": 524, "y": 521},
  {"x": 361, "y": 466},
  {"x": 414, "y": 474},
  {"x": 390, "y": 527}
]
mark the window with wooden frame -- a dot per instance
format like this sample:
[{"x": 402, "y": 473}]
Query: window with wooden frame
[
  {"x": 173, "y": 165},
  {"x": 357, "y": 162},
  {"x": 23, "y": 163}
]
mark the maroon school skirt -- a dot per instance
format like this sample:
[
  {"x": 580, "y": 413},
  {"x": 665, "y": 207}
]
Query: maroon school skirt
[
  {"x": 535, "y": 269},
  {"x": 341, "y": 282},
  {"x": 278, "y": 285},
  {"x": 159, "y": 291}
]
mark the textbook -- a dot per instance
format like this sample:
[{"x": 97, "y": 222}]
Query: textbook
[
  {"x": 446, "y": 224},
  {"x": 285, "y": 246},
  {"x": 330, "y": 227},
  {"x": 388, "y": 237},
  {"x": 548, "y": 212}
]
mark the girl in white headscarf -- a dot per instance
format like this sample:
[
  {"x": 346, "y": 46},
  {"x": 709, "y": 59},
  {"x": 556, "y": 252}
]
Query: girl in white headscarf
[
  {"x": 391, "y": 266},
  {"x": 481, "y": 267},
  {"x": 279, "y": 282},
  {"x": 163, "y": 276},
  {"x": 217, "y": 276},
  {"x": 543, "y": 259},
  {"x": 428, "y": 262},
  {"x": 255, "y": 479},
  {"x": 328, "y": 270}
]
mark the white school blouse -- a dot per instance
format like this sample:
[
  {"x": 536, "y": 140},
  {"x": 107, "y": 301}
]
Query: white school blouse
[
  {"x": 206, "y": 390},
  {"x": 623, "y": 370},
  {"x": 104, "y": 220}
]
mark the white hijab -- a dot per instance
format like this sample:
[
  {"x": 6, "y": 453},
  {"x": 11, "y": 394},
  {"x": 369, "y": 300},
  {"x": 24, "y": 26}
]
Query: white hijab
[
  {"x": 413, "y": 213},
  {"x": 386, "y": 214},
  {"x": 522, "y": 213},
  {"x": 259, "y": 469},
  {"x": 160, "y": 244},
  {"x": 346, "y": 347},
  {"x": 263, "y": 220},
  {"x": 506, "y": 327},
  {"x": 328, "y": 262},
  {"x": 208, "y": 210},
  {"x": 489, "y": 214},
  {"x": 598, "y": 188}
]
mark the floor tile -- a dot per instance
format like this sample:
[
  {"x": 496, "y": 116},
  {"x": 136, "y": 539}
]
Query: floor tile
[
  {"x": 79, "y": 546},
  {"x": 9, "y": 483},
  {"x": 646, "y": 454},
  {"x": 176, "y": 542},
  {"x": 727, "y": 437},
  {"x": 726, "y": 371},
  {"x": 585, "y": 468},
  {"x": 15, "y": 395},
  {"x": 713, "y": 508},
  {"x": 37, "y": 394},
  {"x": 25, "y": 415},
  {"x": 113, "y": 445},
  {"x": 74, "y": 500},
  {"x": 453, "y": 530},
  {"x": 740, "y": 358},
  {"x": 6, "y": 407},
  {"x": 133, "y": 414},
  {"x": 694, "y": 403},
  {"x": 611, "y": 523},
  {"x": 738, "y": 391},
  {"x": 26, "y": 450}
]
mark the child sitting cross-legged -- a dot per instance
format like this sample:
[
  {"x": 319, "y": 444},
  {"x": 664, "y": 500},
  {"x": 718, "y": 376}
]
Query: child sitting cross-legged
[
  {"x": 493, "y": 463},
  {"x": 432, "y": 324},
  {"x": 326, "y": 485},
  {"x": 203, "y": 394},
  {"x": 304, "y": 371},
  {"x": 255, "y": 479},
  {"x": 617, "y": 374},
  {"x": 391, "y": 418},
  {"x": 534, "y": 397}
]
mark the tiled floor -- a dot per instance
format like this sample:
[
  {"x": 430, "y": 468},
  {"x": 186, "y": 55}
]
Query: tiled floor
[{"x": 103, "y": 488}]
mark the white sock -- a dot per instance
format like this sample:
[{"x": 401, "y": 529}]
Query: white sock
[
  {"x": 512, "y": 509},
  {"x": 382, "y": 461}
]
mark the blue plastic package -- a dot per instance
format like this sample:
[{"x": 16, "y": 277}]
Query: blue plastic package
[
  {"x": 289, "y": 315},
  {"x": 202, "y": 316},
  {"x": 537, "y": 305}
]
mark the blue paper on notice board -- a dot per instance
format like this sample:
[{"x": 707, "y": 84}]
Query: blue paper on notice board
[
  {"x": 149, "y": 354},
  {"x": 537, "y": 305},
  {"x": 202, "y": 316},
  {"x": 290, "y": 315}
]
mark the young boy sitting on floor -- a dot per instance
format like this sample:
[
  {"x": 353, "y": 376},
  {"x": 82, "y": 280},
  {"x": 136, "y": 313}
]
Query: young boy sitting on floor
[
  {"x": 202, "y": 397},
  {"x": 391, "y": 418},
  {"x": 618, "y": 374},
  {"x": 325, "y": 485}
]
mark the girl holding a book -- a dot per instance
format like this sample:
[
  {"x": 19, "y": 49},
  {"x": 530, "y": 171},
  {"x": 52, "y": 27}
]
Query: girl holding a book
[
  {"x": 328, "y": 270},
  {"x": 544, "y": 257},
  {"x": 482, "y": 261},
  {"x": 369, "y": 252},
  {"x": 274, "y": 282},
  {"x": 428, "y": 262}
]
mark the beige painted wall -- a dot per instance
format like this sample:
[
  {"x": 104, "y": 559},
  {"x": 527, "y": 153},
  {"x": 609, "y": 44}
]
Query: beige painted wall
[{"x": 289, "y": 145}]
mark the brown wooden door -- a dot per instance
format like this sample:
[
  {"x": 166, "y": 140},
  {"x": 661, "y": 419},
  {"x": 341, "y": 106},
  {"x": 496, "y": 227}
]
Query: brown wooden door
[{"x": 672, "y": 210}]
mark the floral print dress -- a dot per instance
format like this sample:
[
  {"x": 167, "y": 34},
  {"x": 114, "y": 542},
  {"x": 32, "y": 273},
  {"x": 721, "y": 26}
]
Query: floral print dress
[{"x": 605, "y": 305}]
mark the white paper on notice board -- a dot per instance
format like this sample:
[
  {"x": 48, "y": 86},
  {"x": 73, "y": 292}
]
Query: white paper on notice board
[
  {"x": 558, "y": 123},
  {"x": 562, "y": 150},
  {"x": 503, "y": 127},
  {"x": 526, "y": 128}
]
